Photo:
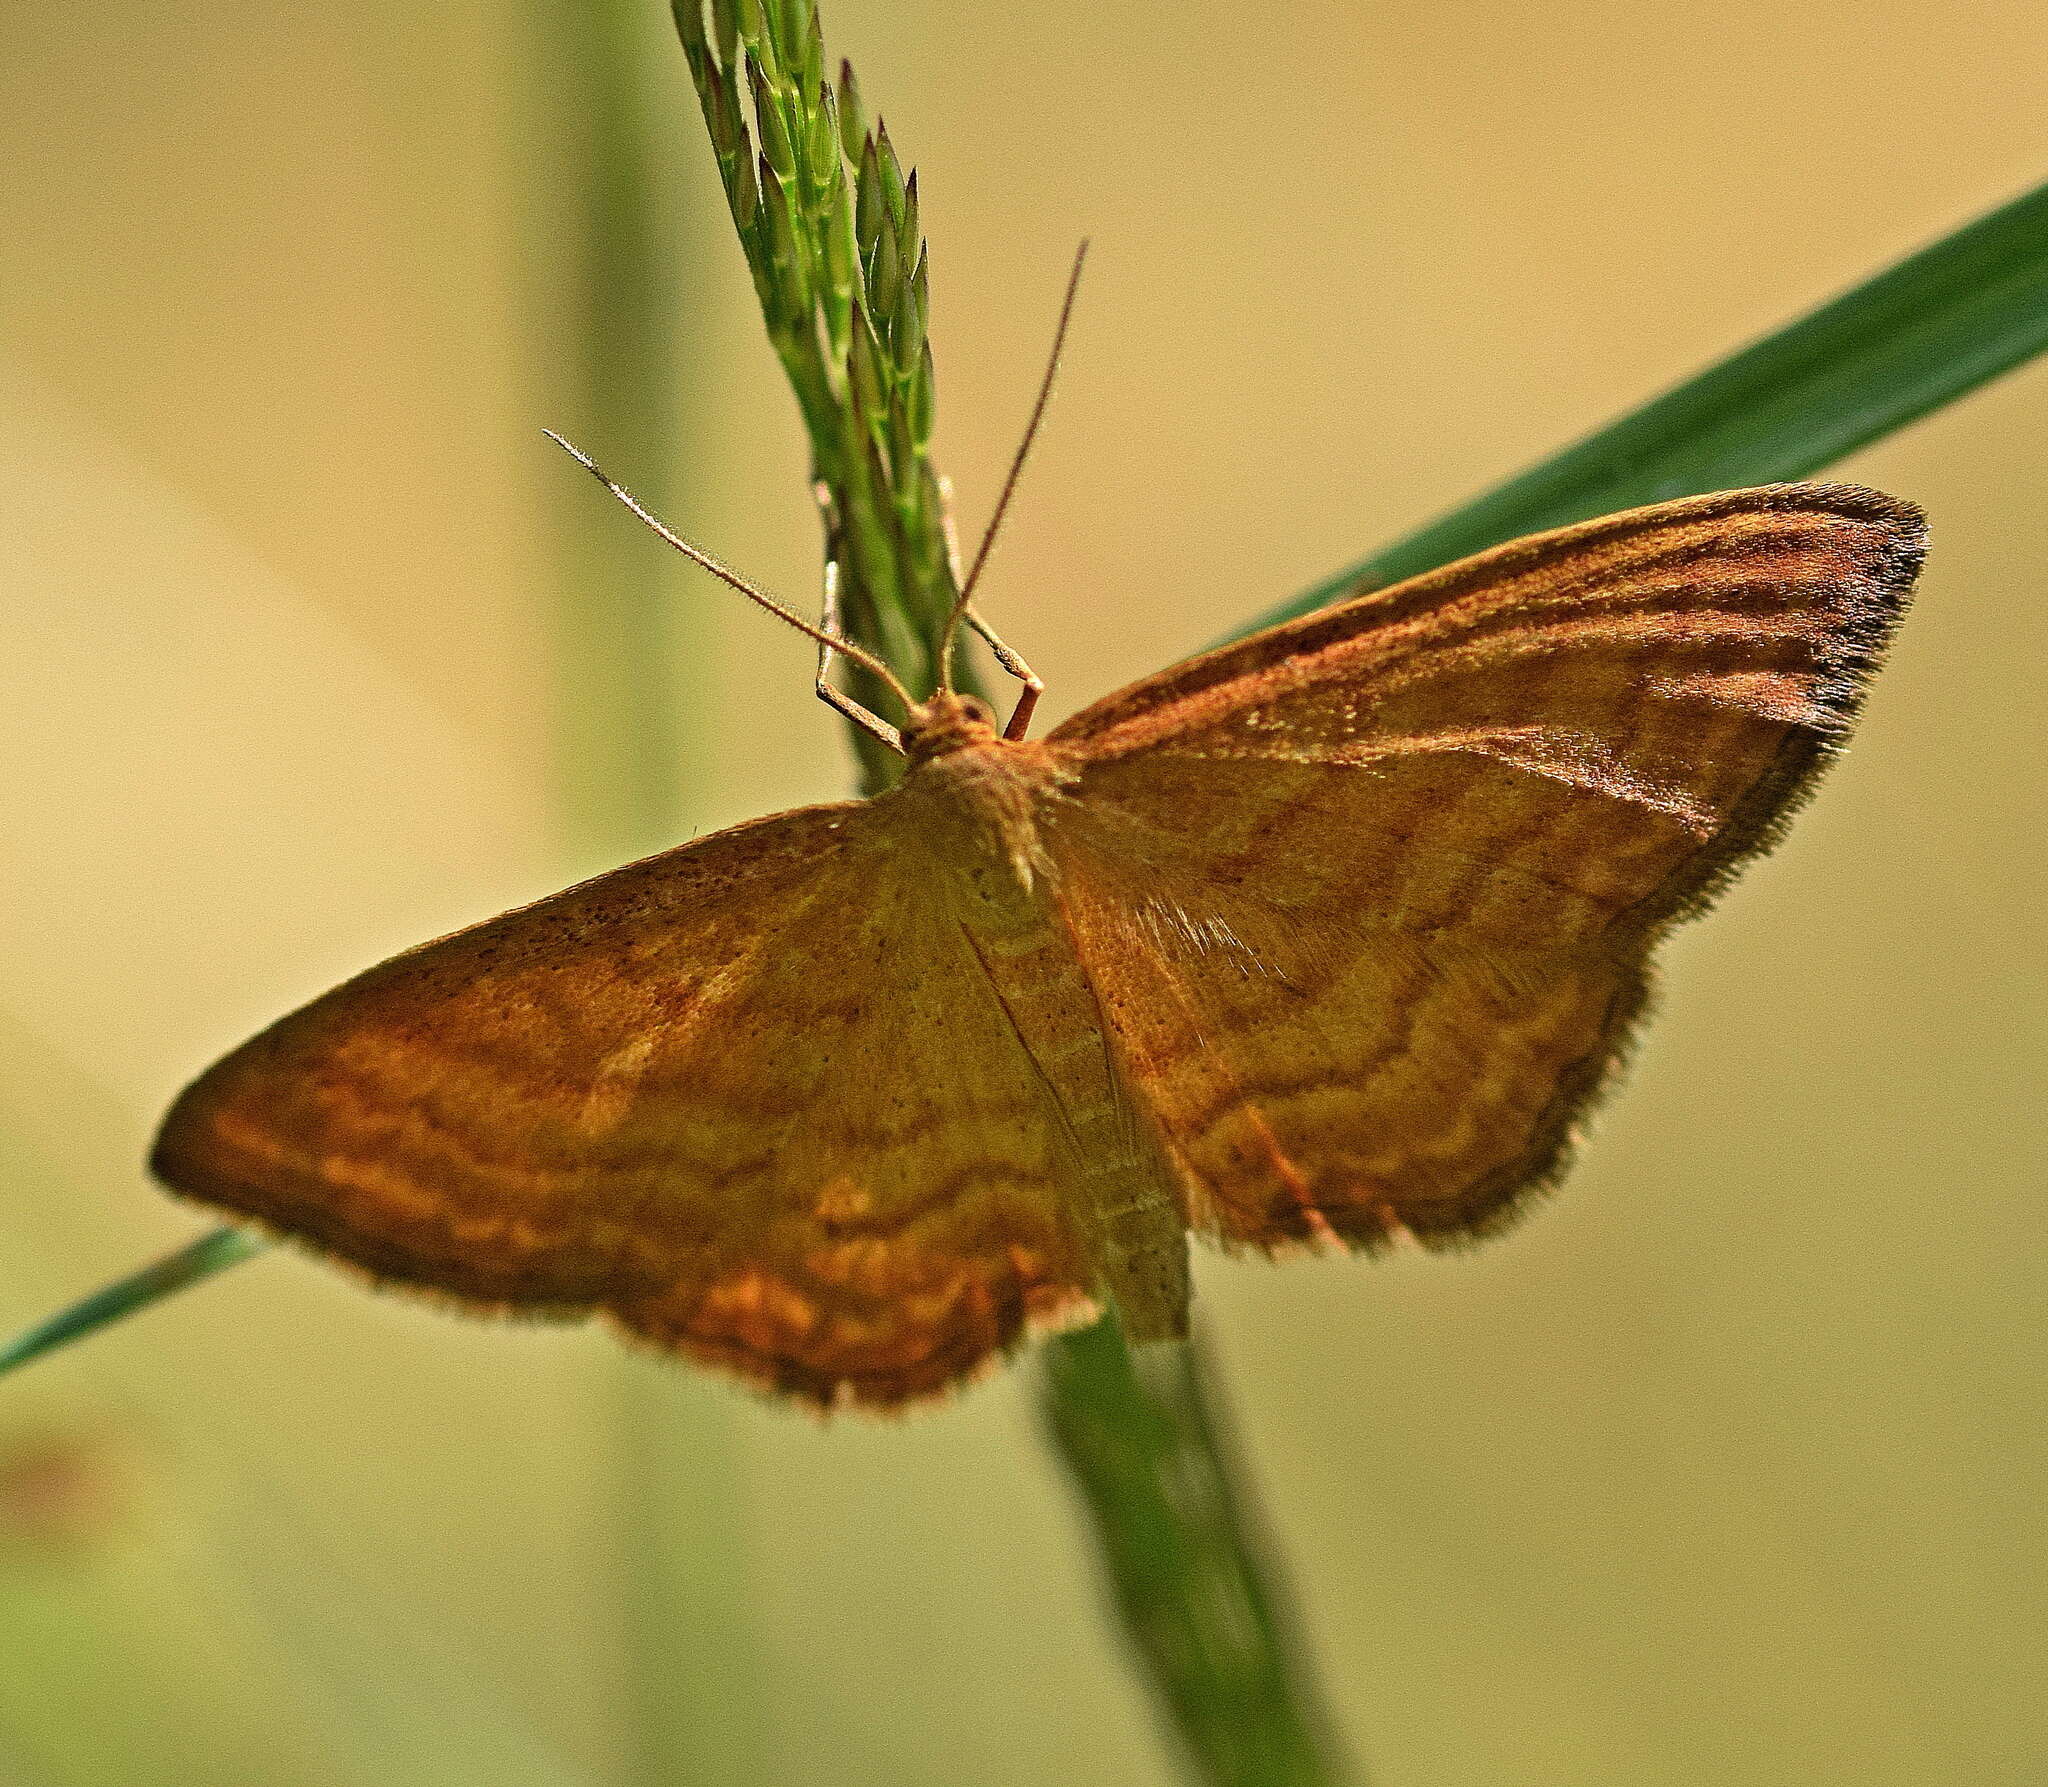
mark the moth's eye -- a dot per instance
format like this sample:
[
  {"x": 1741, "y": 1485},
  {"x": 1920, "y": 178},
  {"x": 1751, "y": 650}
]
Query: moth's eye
[{"x": 978, "y": 709}]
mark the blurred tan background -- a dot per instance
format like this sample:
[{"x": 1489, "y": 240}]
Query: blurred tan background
[{"x": 1726, "y": 1468}]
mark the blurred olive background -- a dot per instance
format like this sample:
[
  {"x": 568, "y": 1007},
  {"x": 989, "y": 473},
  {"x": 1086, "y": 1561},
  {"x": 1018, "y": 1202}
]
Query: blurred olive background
[{"x": 1726, "y": 1468}]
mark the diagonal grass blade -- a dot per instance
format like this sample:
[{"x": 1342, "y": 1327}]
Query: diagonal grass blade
[{"x": 1922, "y": 333}]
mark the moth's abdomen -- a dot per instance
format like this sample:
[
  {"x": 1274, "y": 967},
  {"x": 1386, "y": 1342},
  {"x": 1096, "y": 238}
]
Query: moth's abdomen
[{"x": 1121, "y": 1195}]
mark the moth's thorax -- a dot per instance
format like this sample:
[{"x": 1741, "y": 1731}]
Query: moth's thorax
[{"x": 981, "y": 797}]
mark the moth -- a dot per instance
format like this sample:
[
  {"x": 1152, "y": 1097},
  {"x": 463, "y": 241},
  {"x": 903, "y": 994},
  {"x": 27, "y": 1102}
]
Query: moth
[{"x": 1324, "y": 939}]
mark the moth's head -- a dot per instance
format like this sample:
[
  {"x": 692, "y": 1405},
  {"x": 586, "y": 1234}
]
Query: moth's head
[{"x": 947, "y": 723}]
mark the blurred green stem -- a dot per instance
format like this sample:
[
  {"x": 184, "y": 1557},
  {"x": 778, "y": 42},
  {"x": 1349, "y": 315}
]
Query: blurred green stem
[
  {"x": 619, "y": 759},
  {"x": 695, "y": 1706}
]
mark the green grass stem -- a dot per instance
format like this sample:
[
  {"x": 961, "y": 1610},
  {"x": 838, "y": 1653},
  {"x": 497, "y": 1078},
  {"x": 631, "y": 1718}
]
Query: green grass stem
[{"x": 1143, "y": 1441}]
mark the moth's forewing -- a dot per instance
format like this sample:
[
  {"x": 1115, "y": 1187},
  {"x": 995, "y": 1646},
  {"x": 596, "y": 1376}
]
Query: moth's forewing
[
  {"x": 751, "y": 1098},
  {"x": 1372, "y": 892}
]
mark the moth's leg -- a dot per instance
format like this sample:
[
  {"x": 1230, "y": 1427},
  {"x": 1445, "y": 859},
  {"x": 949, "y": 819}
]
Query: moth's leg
[
  {"x": 828, "y": 692},
  {"x": 1027, "y": 702}
]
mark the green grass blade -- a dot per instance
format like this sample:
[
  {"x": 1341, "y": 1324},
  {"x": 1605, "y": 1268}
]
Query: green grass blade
[
  {"x": 1920, "y": 334},
  {"x": 213, "y": 1252}
]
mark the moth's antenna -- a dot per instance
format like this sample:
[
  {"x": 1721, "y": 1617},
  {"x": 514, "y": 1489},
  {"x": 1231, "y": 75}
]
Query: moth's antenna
[
  {"x": 726, "y": 574},
  {"x": 995, "y": 520}
]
